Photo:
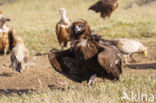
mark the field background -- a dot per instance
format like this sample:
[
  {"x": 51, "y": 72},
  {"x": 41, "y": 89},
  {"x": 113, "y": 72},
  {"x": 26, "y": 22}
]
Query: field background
[{"x": 35, "y": 20}]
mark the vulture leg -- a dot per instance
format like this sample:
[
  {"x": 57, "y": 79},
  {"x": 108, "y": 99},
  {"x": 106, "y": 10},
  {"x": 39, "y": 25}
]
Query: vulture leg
[
  {"x": 68, "y": 44},
  {"x": 6, "y": 49},
  {"x": 126, "y": 59},
  {"x": 12, "y": 61},
  {"x": 132, "y": 59},
  {"x": 64, "y": 62},
  {"x": 62, "y": 45},
  {"x": 91, "y": 79}
]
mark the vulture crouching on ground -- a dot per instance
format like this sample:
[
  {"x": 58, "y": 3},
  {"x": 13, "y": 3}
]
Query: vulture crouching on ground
[
  {"x": 126, "y": 48},
  {"x": 86, "y": 58},
  {"x": 105, "y": 7}
]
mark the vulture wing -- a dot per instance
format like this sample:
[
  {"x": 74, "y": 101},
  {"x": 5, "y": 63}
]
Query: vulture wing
[
  {"x": 109, "y": 60},
  {"x": 62, "y": 32},
  {"x": 11, "y": 36},
  {"x": 63, "y": 62},
  {"x": 58, "y": 26},
  {"x": 105, "y": 7}
]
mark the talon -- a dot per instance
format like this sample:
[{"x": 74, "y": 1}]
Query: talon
[{"x": 91, "y": 79}]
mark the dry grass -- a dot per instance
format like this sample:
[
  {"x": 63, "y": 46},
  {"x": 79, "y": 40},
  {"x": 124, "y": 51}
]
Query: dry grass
[{"x": 35, "y": 21}]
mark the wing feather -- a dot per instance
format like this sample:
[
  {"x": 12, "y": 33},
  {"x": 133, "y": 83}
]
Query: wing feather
[
  {"x": 110, "y": 61},
  {"x": 105, "y": 7}
]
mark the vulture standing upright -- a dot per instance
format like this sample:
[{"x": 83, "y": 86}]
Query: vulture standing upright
[
  {"x": 86, "y": 57},
  {"x": 62, "y": 29},
  {"x": 105, "y": 7},
  {"x": 6, "y": 35}
]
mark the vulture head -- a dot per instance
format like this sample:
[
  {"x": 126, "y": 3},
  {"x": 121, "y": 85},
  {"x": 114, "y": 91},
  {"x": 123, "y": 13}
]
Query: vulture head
[
  {"x": 3, "y": 21},
  {"x": 62, "y": 11},
  {"x": 79, "y": 29},
  {"x": 143, "y": 50}
]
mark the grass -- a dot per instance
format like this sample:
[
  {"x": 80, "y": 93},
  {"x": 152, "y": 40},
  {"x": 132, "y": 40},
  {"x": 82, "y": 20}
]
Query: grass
[
  {"x": 101, "y": 92},
  {"x": 35, "y": 21}
]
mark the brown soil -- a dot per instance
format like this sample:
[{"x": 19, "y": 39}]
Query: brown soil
[{"x": 40, "y": 74}]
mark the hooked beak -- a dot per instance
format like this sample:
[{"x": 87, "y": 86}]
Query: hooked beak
[
  {"x": 77, "y": 29},
  {"x": 145, "y": 53}
]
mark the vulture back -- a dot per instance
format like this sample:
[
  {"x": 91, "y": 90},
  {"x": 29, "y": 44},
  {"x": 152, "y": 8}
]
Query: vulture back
[{"x": 105, "y": 7}]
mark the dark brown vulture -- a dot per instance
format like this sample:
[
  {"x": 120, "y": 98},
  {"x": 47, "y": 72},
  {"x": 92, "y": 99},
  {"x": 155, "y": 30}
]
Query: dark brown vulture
[
  {"x": 105, "y": 7},
  {"x": 86, "y": 57}
]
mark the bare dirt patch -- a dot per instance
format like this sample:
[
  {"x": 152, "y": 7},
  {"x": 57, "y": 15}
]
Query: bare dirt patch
[{"x": 40, "y": 74}]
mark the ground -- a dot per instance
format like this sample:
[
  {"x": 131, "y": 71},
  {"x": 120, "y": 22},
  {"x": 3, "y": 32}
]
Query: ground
[
  {"x": 41, "y": 74},
  {"x": 35, "y": 23}
]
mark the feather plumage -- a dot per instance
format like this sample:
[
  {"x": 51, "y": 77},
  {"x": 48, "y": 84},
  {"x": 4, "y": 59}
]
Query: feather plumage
[
  {"x": 105, "y": 7},
  {"x": 5, "y": 41},
  {"x": 19, "y": 55},
  {"x": 62, "y": 29},
  {"x": 87, "y": 56},
  {"x": 126, "y": 47}
]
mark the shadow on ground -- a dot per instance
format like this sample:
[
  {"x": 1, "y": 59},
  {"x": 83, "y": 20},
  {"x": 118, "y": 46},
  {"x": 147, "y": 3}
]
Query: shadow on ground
[
  {"x": 53, "y": 88},
  {"x": 6, "y": 74},
  {"x": 143, "y": 66},
  {"x": 15, "y": 91}
]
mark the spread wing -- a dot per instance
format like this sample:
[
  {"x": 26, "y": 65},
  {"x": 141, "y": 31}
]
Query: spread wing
[
  {"x": 110, "y": 61},
  {"x": 105, "y": 7},
  {"x": 61, "y": 62}
]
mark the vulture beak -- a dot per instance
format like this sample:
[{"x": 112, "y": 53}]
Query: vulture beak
[
  {"x": 145, "y": 53},
  {"x": 77, "y": 29}
]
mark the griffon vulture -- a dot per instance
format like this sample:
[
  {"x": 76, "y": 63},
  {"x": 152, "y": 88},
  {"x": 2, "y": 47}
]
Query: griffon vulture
[
  {"x": 6, "y": 35},
  {"x": 62, "y": 29},
  {"x": 105, "y": 7},
  {"x": 86, "y": 58},
  {"x": 19, "y": 55}
]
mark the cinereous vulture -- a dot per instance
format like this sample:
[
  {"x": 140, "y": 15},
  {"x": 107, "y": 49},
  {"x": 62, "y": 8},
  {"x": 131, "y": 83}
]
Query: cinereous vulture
[{"x": 86, "y": 58}]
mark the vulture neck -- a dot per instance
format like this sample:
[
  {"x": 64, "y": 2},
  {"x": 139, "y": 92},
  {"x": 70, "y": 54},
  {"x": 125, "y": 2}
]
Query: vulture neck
[{"x": 65, "y": 19}]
